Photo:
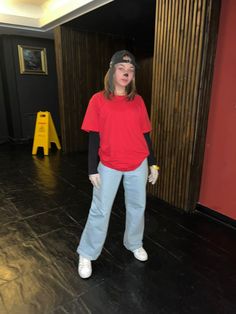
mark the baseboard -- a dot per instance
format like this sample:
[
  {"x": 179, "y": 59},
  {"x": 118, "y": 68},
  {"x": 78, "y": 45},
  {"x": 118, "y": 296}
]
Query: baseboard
[{"x": 217, "y": 216}]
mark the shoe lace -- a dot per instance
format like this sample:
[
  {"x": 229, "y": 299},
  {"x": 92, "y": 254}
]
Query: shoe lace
[{"x": 84, "y": 262}]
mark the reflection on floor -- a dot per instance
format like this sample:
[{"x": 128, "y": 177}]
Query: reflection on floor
[{"x": 44, "y": 203}]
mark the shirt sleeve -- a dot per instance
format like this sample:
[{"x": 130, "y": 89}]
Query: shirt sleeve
[
  {"x": 91, "y": 118},
  {"x": 151, "y": 158},
  {"x": 93, "y": 158},
  {"x": 144, "y": 118}
]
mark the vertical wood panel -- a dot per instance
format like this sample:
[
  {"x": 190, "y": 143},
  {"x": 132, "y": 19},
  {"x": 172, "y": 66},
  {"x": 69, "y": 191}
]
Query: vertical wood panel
[
  {"x": 185, "y": 42},
  {"x": 144, "y": 79},
  {"x": 82, "y": 61}
]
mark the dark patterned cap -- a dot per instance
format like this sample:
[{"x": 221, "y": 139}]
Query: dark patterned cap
[{"x": 123, "y": 56}]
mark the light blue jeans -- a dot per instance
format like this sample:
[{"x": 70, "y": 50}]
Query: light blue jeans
[{"x": 95, "y": 231}]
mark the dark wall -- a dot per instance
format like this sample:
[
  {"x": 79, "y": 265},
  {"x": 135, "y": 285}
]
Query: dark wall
[
  {"x": 26, "y": 94},
  {"x": 3, "y": 117}
]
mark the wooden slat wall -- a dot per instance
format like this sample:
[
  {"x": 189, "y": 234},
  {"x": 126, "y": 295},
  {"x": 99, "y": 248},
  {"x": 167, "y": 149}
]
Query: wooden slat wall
[
  {"x": 144, "y": 80},
  {"x": 185, "y": 43},
  {"x": 82, "y": 61}
]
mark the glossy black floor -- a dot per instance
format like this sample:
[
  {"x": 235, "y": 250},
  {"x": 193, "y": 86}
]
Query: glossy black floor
[{"x": 44, "y": 202}]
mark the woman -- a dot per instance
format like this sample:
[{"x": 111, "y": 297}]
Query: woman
[{"x": 118, "y": 126}]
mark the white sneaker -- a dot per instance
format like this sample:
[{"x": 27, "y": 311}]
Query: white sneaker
[
  {"x": 141, "y": 254},
  {"x": 85, "y": 267}
]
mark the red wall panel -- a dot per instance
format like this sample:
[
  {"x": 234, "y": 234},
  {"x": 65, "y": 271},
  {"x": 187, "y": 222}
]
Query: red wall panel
[{"x": 218, "y": 186}]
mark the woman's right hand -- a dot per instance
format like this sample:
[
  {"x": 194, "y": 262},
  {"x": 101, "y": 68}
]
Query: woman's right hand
[{"x": 95, "y": 180}]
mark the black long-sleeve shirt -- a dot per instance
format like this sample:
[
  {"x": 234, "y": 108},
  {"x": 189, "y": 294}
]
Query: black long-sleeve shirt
[{"x": 94, "y": 143}]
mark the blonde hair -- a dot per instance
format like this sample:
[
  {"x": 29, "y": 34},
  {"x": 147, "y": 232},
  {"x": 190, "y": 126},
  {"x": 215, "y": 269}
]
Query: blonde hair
[{"x": 109, "y": 86}]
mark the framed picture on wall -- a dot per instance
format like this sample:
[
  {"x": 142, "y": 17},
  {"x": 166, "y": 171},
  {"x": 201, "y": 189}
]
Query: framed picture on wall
[{"x": 32, "y": 60}]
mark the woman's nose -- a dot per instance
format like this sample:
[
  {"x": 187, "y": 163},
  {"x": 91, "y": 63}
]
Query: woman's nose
[{"x": 126, "y": 74}]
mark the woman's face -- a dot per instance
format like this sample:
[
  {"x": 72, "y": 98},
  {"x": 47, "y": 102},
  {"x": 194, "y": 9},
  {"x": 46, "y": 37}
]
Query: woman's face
[{"x": 123, "y": 75}]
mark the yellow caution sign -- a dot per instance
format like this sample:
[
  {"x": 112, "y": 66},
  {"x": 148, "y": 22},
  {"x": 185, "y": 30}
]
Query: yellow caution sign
[{"x": 44, "y": 133}]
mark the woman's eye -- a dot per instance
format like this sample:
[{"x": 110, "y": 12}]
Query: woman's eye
[{"x": 125, "y": 70}]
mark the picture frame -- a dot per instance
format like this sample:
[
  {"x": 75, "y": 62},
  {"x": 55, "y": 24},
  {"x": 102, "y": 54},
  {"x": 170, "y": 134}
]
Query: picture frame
[{"x": 32, "y": 60}]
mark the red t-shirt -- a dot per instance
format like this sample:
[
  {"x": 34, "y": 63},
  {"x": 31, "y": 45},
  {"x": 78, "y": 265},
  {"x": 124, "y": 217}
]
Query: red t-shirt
[{"x": 121, "y": 124}]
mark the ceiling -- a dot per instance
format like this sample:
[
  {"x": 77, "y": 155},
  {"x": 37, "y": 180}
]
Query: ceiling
[
  {"x": 127, "y": 18},
  {"x": 36, "y": 2},
  {"x": 130, "y": 18},
  {"x": 43, "y": 15}
]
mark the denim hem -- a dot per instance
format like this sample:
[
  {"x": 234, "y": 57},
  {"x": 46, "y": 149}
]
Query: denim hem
[
  {"x": 85, "y": 255},
  {"x": 133, "y": 247}
]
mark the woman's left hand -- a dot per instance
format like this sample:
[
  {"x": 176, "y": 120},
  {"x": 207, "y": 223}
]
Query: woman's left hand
[{"x": 152, "y": 178}]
